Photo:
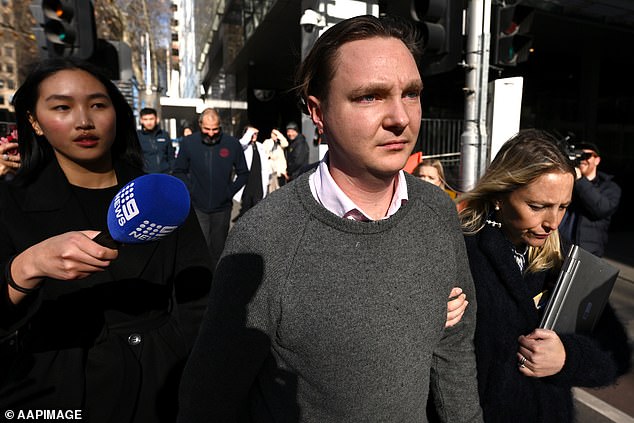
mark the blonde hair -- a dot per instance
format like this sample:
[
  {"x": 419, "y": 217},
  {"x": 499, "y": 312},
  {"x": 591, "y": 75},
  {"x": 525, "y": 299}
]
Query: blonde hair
[
  {"x": 436, "y": 164},
  {"x": 525, "y": 157}
]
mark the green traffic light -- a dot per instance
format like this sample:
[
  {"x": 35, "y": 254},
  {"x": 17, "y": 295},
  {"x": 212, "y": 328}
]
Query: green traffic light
[
  {"x": 58, "y": 32},
  {"x": 58, "y": 27},
  {"x": 68, "y": 26}
]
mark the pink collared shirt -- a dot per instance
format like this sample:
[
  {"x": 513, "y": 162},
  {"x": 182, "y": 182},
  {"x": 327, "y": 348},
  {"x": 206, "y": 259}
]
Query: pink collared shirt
[{"x": 327, "y": 193}]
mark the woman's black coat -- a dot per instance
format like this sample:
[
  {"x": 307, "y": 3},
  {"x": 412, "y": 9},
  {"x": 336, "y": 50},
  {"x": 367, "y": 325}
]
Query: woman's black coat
[
  {"x": 112, "y": 344},
  {"x": 505, "y": 311}
]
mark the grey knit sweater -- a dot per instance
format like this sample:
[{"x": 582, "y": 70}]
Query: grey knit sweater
[{"x": 315, "y": 318}]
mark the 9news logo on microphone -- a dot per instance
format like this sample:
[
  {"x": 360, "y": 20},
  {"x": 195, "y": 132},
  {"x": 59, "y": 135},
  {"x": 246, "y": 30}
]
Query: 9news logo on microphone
[{"x": 148, "y": 208}]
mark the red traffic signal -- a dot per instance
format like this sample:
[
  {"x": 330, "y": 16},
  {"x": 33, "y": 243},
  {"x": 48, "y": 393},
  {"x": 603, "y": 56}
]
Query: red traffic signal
[
  {"x": 58, "y": 26},
  {"x": 510, "y": 39}
]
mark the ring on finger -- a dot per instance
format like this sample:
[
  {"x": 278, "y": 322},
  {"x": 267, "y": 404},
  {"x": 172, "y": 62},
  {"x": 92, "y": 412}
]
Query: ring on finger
[
  {"x": 522, "y": 362},
  {"x": 5, "y": 157}
]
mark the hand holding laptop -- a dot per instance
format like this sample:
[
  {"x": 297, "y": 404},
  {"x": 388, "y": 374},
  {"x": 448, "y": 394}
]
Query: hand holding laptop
[
  {"x": 541, "y": 353},
  {"x": 582, "y": 290}
]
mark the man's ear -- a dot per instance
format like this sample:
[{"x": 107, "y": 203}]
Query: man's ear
[
  {"x": 316, "y": 113},
  {"x": 597, "y": 160},
  {"x": 36, "y": 126}
]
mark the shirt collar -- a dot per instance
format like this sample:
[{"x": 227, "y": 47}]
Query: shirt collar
[{"x": 327, "y": 193}]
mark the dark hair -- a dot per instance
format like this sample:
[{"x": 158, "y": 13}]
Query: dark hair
[
  {"x": 318, "y": 68},
  {"x": 35, "y": 151},
  {"x": 148, "y": 111}
]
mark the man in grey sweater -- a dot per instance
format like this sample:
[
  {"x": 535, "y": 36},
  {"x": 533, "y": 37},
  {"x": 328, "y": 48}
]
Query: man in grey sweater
[{"x": 330, "y": 300}]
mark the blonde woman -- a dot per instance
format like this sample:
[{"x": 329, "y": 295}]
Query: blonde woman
[
  {"x": 431, "y": 170},
  {"x": 510, "y": 224}
]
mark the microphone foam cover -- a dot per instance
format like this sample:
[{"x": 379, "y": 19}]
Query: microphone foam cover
[{"x": 148, "y": 208}]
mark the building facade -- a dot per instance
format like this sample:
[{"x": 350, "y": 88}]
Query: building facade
[{"x": 9, "y": 36}]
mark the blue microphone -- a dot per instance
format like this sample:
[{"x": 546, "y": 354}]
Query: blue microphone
[{"x": 146, "y": 209}]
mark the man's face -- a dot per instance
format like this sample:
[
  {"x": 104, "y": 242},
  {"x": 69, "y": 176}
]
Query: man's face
[
  {"x": 291, "y": 134},
  {"x": 210, "y": 126},
  {"x": 372, "y": 116},
  {"x": 588, "y": 166},
  {"x": 148, "y": 122}
]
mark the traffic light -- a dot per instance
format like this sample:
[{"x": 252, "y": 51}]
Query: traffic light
[
  {"x": 440, "y": 24},
  {"x": 65, "y": 27},
  {"x": 114, "y": 58},
  {"x": 510, "y": 38}
]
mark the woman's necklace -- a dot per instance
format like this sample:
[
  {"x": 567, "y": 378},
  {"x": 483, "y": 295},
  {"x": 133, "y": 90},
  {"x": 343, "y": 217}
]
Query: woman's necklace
[{"x": 520, "y": 257}]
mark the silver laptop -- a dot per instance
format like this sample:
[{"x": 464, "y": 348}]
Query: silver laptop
[{"x": 580, "y": 294}]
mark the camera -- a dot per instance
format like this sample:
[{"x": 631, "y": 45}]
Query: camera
[{"x": 575, "y": 155}]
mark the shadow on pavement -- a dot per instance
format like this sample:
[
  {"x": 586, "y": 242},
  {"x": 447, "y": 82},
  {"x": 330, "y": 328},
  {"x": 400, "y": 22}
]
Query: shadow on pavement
[{"x": 620, "y": 252}]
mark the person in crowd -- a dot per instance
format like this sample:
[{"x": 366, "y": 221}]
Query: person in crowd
[
  {"x": 510, "y": 221},
  {"x": 187, "y": 131},
  {"x": 156, "y": 144},
  {"x": 257, "y": 186},
  {"x": 275, "y": 149},
  {"x": 431, "y": 170},
  {"x": 213, "y": 166},
  {"x": 82, "y": 326},
  {"x": 329, "y": 303},
  {"x": 595, "y": 199},
  {"x": 296, "y": 152},
  {"x": 9, "y": 155}
]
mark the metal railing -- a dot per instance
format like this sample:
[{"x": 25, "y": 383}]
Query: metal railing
[{"x": 440, "y": 138}]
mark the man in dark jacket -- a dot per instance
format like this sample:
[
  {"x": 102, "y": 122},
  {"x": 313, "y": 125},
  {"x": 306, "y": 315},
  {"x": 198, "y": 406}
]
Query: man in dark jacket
[
  {"x": 296, "y": 152},
  {"x": 595, "y": 199},
  {"x": 207, "y": 162},
  {"x": 158, "y": 151}
]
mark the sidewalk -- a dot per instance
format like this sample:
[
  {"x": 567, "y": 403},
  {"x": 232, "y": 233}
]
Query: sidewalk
[{"x": 615, "y": 403}]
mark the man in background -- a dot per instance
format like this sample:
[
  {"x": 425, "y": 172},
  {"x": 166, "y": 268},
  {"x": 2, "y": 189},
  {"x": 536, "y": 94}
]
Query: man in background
[
  {"x": 595, "y": 199},
  {"x": 158, "y": 151},
  {"x": 207, "y": 162},
  {"x": 296, "y": 152}
]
